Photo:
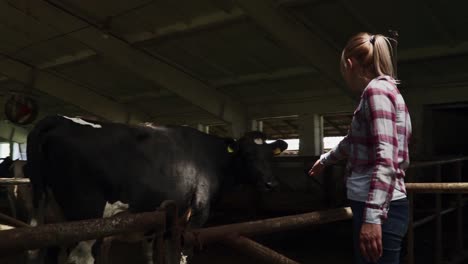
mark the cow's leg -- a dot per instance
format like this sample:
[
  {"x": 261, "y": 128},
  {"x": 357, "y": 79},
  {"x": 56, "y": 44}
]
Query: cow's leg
[
  {"x": 148, "y": 249},
  {"x": 102, "y": 247},
  {"x": 198, "y": 218},
  {"x": 45, "y": 256},
  {"x": 62, "y": 255},
  {"x": 52, "y": 255},
  {"x": 82, "y": 253},
  {"x": 37, "y": 217},
  {"x": 200, "y": 215},
  {"x": 12, "y": 197},
  {"x": 38, "y": 214},
  {"x": 102, "y": 250}
]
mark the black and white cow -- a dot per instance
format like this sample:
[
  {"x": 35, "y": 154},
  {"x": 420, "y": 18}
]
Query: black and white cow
[{"x": 88, "y": 164}]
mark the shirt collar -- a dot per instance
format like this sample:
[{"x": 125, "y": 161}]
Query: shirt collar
[{"x": 381, "y": 77}]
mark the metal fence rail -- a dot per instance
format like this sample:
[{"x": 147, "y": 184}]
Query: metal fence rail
[
  {"x": 13, "y": 181},
  {"x": 8, "y": 220},
  {"x": 257, "y": 250},
  {"x": 437, "y": 188},
  {"x": 14, "y": 240},
  {"x": 267, "y": 226},
  {"x": 234, "y": 235}
]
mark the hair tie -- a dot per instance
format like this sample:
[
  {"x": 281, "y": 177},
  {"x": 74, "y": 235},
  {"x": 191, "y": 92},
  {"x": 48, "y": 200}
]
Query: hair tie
[{"x": 372, "y": 39}]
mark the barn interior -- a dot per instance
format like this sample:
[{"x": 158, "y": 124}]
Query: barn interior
[{"x": 226, "y": 67}]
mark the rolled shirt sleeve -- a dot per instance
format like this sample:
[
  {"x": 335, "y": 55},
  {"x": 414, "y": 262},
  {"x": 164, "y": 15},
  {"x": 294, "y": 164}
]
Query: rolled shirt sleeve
[{"x": 339, "y": 152}]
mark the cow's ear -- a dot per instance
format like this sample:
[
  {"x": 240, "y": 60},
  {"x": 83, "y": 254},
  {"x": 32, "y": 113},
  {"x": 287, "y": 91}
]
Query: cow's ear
[
  {"x": 278, "y": 146},
  {"x": 231, "y": 145}
]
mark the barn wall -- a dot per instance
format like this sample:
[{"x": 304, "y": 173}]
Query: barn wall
[
  {"x": 11, "y": 132},
  {"x": 420, "y": 101},
  {"x": 448, "y": 128}
]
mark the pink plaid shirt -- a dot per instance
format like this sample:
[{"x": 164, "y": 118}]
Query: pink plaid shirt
[{"x": 377, "y": 145}]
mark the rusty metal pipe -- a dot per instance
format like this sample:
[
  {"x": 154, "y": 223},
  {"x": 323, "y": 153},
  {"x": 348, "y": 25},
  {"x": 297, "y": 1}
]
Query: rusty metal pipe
[
  {"x": 14, "y": 181},
  {"x": 460, "y": 210},
  {"x": 217, "y": 233},
  {"x": 71, "y": 232},
  {"x": 257, "y": 250},
  {"x": 446, "y": 187},
  {"x": 410, "y": 235},
  {"x": 8, "y": 220},
  {"x": 438, "y": 220},
  {"x": 431, "y": 218}
]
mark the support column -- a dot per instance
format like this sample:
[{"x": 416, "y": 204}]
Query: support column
[
  {"x": 12, "y": 134},
  {"x": 256, "y": 125},
  {"x": 203, "y": 128},
  {"x": 22, "y": 151},
  {"x": 239, "y": 127},
  {"x": 311, "y": 135}
]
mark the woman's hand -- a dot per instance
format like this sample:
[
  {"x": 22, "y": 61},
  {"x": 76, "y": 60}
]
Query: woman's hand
[
  {"x": 370, "y": 241},
  {"x": 316, "y": 169}
]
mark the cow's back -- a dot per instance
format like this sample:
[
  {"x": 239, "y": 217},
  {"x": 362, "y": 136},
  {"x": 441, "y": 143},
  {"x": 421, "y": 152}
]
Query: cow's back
[{"x": 87, "y": 165}]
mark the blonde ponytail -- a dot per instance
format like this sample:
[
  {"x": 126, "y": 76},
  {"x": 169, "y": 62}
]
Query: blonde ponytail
[
  {"x": 373, "y": 52},
  {"x": 383, "y": 62}
]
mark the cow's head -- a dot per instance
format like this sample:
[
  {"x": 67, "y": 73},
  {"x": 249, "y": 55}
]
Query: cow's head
[
  {"x": 5, "y": 168},
  {"x": 255, "y": 157}
]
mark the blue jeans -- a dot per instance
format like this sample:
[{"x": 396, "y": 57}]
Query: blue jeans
[{"x": 393, "y": 231}]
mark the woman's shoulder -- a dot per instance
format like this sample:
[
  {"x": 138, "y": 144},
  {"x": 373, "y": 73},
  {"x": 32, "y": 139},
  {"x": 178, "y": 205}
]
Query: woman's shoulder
[{"x": 382, "y": 85}]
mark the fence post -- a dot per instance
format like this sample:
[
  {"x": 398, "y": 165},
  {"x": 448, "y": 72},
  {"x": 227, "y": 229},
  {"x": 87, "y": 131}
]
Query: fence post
[
  {"x": 459, "y": 240},
  {"x": 410, "y": 240},
  {"x": 159, "y": 254},
  {"x": 438, "y": 208},
  {"x": 411, "y": 174},
  {"x": 172, "y": 245}
]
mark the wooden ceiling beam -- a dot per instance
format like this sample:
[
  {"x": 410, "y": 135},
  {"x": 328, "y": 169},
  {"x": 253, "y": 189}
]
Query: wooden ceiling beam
[
  {"x": 322, "y": 105},
  {"x": 297, "y": 37},
  {"x": 82, "y": 55},
  {"x": 295, "y": 3},
  {"x": 197, "y": 24},
  {"x": 152, "y": 68},
  {"x": 262, "y": 77},
  {"x": 68, "y": 92},
  {"x": 432, "y": 52}
]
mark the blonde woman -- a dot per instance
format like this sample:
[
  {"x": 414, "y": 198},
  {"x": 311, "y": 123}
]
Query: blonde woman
[{"x": 377, "y": 150}]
